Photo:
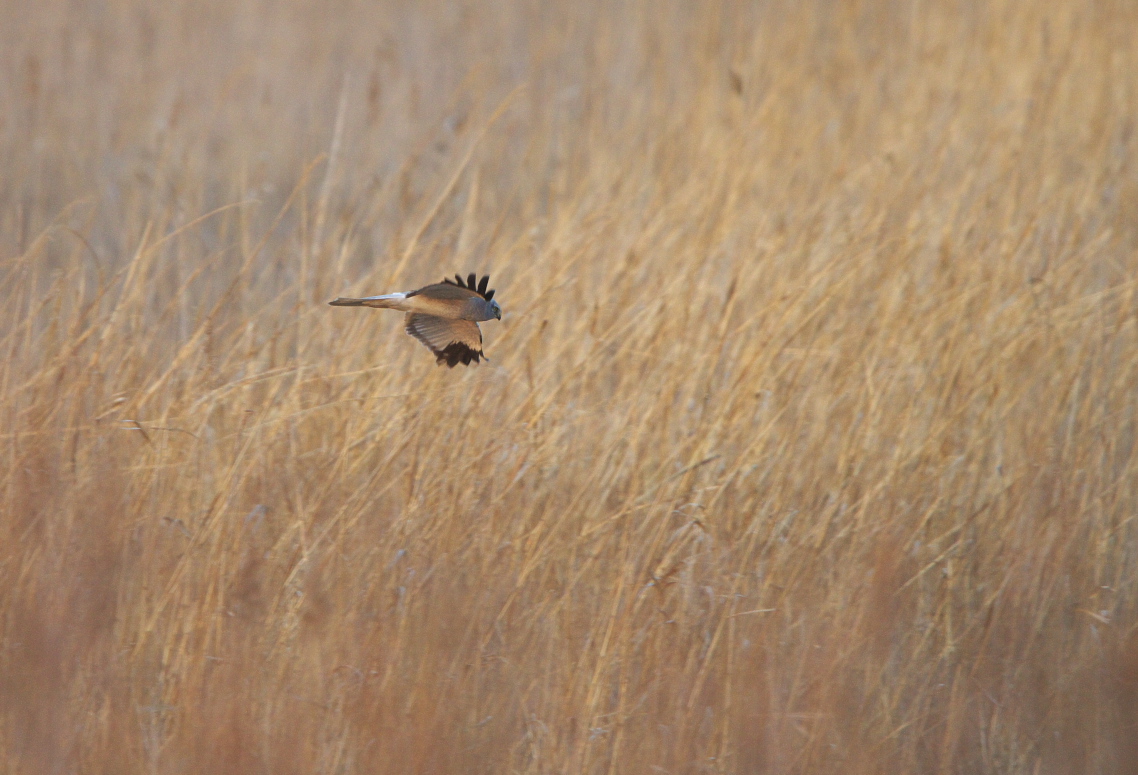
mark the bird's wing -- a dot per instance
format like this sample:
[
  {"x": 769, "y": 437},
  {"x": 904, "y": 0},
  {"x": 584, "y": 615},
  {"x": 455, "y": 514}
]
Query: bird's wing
[
  {"x": 445, "y": 292},
  {"x": 458, "y": 288},
  {"x": 452, "y": 341},
  {"x": 470, "y": 285}
]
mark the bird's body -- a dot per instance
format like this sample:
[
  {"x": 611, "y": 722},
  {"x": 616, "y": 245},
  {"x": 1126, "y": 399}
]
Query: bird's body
[
  {"x": 443, "y": 316},
  {"x": 441, "y": 299}
]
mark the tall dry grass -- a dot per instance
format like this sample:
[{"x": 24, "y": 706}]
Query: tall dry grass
[{"x": 807, "y": 444}]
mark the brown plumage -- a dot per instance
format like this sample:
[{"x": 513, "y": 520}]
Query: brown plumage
[{"x": 443, "y": 316}]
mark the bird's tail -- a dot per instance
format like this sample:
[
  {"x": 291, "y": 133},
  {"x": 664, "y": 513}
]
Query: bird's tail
[{"x": 390, "y": 301}]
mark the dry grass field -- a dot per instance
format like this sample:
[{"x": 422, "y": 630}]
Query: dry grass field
[{"x": 808, "y": 442}]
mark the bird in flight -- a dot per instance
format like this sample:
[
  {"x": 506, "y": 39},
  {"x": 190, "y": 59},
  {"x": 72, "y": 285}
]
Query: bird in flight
[{"x": 443, "y": 316}]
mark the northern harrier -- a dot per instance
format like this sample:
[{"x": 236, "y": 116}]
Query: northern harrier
[{"x": 444, "y": 316}]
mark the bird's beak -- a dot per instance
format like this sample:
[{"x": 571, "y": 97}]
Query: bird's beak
[{"x": 498, "y": 314}]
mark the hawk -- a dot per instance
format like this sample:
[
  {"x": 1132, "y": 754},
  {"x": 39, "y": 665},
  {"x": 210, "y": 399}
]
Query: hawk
[{"x": 443, "y": 316}]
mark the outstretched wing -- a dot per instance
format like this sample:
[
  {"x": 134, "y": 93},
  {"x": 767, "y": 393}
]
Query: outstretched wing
[
  {"x": 469, "y": 285},
  {"x": 452, "y": 341},
  {"x": 452, "y": 294},
  {"x": 445, "y": 292}
]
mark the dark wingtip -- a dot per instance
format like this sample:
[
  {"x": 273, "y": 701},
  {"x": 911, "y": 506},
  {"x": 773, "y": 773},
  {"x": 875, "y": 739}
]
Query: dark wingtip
[
  {"x": 456, "y": 353},
  {"x": 472, "y": 283}
]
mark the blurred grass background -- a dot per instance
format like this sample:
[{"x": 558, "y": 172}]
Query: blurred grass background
[{"x": 807, "y": 444}]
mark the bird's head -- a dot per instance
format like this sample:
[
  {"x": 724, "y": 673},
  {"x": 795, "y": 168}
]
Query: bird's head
[{"x": 496, "y": 309}]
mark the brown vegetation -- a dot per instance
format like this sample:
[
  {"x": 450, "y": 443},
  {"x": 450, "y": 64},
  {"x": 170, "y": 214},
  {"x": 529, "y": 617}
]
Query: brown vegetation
[{"x": 807, "y": 444}]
